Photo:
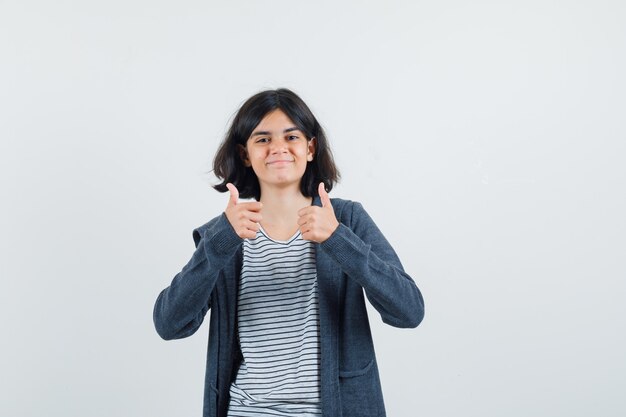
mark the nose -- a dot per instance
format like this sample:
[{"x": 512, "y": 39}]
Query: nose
[{"x": 278, "y": 146}]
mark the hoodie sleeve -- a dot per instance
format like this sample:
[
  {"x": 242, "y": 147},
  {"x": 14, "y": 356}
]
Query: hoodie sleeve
[
  {"x": 180, "y": 308},
  {"x": 366, "y": 256}
]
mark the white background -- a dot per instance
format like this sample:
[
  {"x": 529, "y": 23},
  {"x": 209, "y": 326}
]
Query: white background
[{"x": 485, "y": 138}]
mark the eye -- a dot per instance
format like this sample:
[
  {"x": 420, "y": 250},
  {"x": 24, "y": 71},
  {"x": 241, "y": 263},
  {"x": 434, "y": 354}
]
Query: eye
[
  {"x": 293, "y": 137},
  {"x": 262, "y": 140}
]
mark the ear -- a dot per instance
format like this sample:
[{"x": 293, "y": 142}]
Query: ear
[
  {"x": 312, "y": 146},
  {"x": 243, "y": 154}
]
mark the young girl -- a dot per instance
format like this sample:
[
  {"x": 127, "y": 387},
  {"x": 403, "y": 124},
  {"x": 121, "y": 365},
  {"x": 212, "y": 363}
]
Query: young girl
[{"x": 284, "y": 276}]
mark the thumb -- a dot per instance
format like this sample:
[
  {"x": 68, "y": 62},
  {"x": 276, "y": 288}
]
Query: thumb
[
  {"x": 323, "y": 195},
  {"x": 234, "y": 195}
]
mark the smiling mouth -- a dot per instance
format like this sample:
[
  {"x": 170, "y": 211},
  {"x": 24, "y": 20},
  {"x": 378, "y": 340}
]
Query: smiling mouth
[{"x": 279, "y": 162}]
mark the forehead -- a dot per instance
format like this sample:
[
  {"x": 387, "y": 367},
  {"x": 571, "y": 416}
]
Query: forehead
[{"x": 275, "y": 120}]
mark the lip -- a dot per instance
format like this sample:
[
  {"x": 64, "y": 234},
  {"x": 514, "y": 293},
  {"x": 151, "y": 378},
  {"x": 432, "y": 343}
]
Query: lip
[{"x": 280, "y": 162}]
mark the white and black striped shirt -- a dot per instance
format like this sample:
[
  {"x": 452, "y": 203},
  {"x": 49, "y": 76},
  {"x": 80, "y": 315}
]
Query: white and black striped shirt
[{"x": 278, "y": 318}]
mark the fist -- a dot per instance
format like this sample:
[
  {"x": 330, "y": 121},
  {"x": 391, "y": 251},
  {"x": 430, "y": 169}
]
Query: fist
[
  {"x": 318, "y": 223},
  {"x": 243, "y": 217}
]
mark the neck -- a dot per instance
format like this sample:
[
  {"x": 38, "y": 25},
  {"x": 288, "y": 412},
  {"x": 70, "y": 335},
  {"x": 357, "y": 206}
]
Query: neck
[{"x": 281, "y": 205}]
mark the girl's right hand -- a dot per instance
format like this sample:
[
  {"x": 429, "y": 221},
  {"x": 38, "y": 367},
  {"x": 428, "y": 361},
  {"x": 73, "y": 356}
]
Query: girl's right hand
[{"x": 243, "y": 217}]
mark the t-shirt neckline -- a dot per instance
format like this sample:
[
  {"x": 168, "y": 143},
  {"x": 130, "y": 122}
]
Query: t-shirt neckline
[{"x": 285, "y": 242}]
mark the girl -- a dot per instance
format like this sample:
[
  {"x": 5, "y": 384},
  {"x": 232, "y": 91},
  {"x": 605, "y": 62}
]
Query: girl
[{"x": 284, "y": 276}]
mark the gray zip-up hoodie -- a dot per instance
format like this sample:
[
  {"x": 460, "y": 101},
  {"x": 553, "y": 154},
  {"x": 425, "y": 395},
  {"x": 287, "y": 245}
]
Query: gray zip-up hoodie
[{"x": 354, "y": 258}]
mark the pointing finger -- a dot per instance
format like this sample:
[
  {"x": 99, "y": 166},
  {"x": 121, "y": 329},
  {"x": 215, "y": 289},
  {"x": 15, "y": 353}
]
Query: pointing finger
[
  {"x": 304, "y": 210},
  {"x": 251, "y": 205}
]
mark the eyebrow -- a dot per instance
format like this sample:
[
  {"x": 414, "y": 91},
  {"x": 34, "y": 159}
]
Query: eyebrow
[{"x": 266, "y": 132}]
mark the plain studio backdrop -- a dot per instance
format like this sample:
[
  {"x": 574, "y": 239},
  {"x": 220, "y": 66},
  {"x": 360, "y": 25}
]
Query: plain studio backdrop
[{"x": 486, "y": 139}]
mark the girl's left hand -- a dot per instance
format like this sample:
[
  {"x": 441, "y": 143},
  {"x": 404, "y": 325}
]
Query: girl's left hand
[{"x": 318, "y": 223}]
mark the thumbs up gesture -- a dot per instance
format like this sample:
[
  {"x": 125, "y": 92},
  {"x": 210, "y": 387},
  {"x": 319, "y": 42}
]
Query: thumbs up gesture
[
  {"x": 318, "y": 223},
  {"x": 244, "y": 217}
]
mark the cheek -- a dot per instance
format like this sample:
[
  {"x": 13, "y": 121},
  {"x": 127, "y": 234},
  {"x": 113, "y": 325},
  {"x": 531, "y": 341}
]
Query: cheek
[
  {"x": 257, "y": 156},
  {"x": 304, "y": 150}
]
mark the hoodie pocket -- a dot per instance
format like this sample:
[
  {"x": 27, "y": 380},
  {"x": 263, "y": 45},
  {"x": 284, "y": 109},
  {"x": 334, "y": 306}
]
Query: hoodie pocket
[
  {"x": 360, "y": 393},
  {"x": 355, "y": 372}
]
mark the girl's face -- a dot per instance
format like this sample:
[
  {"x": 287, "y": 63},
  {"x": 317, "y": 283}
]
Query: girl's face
[{"x": 278, "y": 151}]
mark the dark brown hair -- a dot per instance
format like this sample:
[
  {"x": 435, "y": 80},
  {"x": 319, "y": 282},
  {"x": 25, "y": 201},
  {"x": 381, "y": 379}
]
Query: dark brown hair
[{"x": 228, "y": 166}]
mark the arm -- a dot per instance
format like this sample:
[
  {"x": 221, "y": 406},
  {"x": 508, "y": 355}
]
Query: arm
[
  {"x": 180, "y": 308},
  {"x": 366, "y": 256}
]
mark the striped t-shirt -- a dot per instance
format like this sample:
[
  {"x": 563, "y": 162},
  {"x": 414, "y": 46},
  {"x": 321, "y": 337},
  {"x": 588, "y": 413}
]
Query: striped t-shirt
[{"x": 278, "y": 318}]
